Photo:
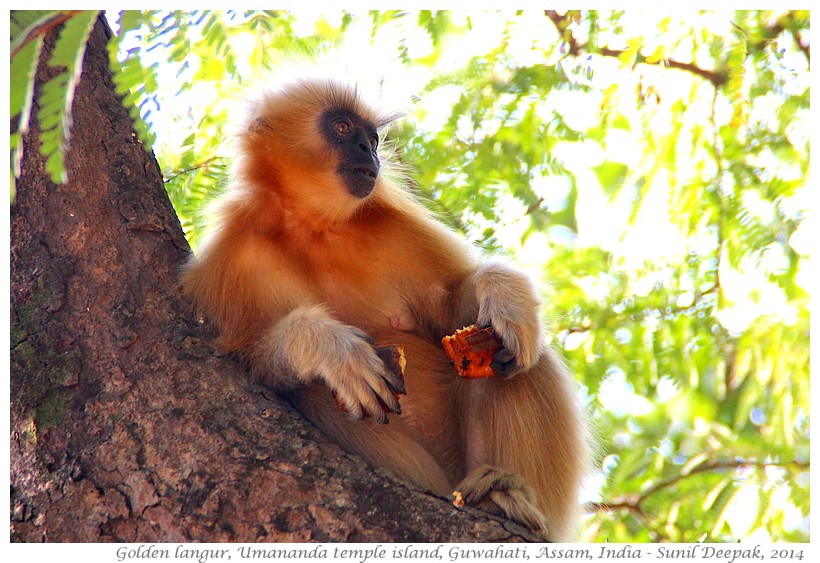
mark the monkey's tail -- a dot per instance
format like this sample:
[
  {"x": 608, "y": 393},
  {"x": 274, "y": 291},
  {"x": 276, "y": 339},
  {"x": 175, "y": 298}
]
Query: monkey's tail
[{"x": 534, "y": 426}]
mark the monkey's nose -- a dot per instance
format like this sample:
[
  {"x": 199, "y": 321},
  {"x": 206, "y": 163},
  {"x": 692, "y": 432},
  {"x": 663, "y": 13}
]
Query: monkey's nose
[{"x": 363, "y": 141}]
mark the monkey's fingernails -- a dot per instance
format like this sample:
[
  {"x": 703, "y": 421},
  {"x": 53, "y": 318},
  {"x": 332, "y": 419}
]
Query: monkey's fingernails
[
  {"x": 397, "y": 408},
  {"x": 394, "y": 362},
  {"x": 505, "y": 371},
  {"x": 392, "y": 406},
  {"x": 504, "y": 363},
  {"x": 498, "y": 367},
  {"x": 394, "y": 382},
  {"x": 396, "y": 386},
  {"x": 380, "y": 416},
  {"x": 504, "y": 355}
]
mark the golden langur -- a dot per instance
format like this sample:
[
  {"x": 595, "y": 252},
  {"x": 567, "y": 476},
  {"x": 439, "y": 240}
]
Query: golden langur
[{"x": 315, "y": 257}]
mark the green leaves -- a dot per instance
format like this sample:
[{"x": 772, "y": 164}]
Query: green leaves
[
  {"x": 23, "y": 67},
  {"x": 630, "y": 54},
  {"x": 611, "y": 176},
  {"x": 56, "y": 95},
  {"x": 27, "y": 31}
]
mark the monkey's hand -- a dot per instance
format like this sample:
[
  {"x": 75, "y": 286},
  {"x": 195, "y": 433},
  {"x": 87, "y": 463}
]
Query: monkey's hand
[
  {"x": 362, "y": 384},
  {"x": 508, "y": 302},
  {"x": 308, "y": 344}
]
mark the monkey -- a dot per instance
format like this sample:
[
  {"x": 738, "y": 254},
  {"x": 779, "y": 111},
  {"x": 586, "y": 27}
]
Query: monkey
[{"x": 317, "y": 253}]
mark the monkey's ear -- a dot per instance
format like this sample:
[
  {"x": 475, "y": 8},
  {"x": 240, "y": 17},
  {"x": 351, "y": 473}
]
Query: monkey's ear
[{"x": 258, "y": 125}]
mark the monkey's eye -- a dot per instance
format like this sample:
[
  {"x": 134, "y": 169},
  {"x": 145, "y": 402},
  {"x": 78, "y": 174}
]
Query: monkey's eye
[
  {"x": 343, "y": 127},
  {"x": 374, "y": 142}
]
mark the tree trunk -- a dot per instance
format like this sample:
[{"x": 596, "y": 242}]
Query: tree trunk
[{"x": 126, "y": 425}]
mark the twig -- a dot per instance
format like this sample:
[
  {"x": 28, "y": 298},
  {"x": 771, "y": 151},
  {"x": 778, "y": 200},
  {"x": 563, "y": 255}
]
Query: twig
[
  {"x": 717, "y": 466},
  {"x": 633, "y": 503},
  {"x": 631, "y": 506},
  {"x": 203, "y": 164},
  {"x": 574, "y": 48},
  {"x": 715, "y": 77}
]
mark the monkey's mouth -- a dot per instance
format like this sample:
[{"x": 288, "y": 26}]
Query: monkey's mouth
[
  {"x": 361, "y": 170},
  {"x": 359, "y": 180}
]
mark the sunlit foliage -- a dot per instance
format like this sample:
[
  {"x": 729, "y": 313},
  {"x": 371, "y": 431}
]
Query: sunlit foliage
[{"x": 653, "y": 168}]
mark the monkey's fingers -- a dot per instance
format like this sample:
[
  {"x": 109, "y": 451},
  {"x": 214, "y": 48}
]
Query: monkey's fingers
[
  {"x": 367, "y": 390},
  {"x": 358, "y": 410},
  {"x": 363, "y": 335},
  {"x": 381, "y": 389},
  {"x": 347, "y": 403},
  {"x": 505, "y": 363},
  {"x": 395, "y": 362}
]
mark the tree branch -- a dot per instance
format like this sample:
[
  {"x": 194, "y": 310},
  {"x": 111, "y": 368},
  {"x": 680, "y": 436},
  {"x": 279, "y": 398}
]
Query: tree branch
[
  {"x": 666, "y": 312},
  {"x": 633, "y": 503},
  {"x": 717, "y": 78},
  {"x": 575, "y": 49},
  {"x": 717, "y": 466},
  {"x": 42, "y": 29},
  {"x": 628, "y": 505},
  {"x": 804, "y": 48},
  {"x": 204, "y": 164},
  {"x": 781, "y": 25}
]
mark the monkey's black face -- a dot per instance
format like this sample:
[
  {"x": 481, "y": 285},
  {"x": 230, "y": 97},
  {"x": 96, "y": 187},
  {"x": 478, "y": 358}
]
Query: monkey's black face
[{"x": 356, "y": 142}]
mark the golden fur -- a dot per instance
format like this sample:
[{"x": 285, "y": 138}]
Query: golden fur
[{"x": 297, "y": 274}]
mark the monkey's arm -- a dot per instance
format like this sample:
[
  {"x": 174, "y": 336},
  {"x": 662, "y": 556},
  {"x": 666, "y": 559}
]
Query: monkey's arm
[
  {"x": 271, "y": 314},
  {"x": 309, "y": 345},
  {"x": 506, "y": 299}
]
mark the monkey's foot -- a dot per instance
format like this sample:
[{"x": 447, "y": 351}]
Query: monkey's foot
[{"x": 502, "y": 493}]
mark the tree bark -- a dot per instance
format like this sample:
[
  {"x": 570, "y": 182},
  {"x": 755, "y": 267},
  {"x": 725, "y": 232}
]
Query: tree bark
[{"x": 126, "y": 425}]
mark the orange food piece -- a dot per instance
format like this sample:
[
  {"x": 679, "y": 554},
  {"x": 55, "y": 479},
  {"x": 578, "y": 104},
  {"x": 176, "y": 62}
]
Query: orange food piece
[{"x": 471, "y": 351}]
